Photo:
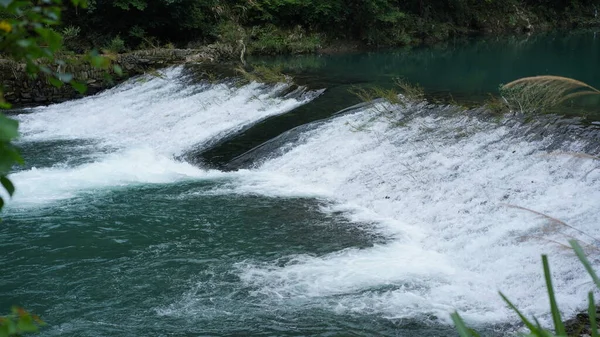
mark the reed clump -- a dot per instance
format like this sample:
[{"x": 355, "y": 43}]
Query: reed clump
[
  {"x": 402, "y": 92},
  {"x": 262, "y": 74},
  {"x": 384, "y": 102},
  {"x": 411, "y": 91},
  {"x": 539, "y": 94}
]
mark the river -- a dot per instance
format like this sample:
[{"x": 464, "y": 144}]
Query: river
[{"x": 173, "y": 206}]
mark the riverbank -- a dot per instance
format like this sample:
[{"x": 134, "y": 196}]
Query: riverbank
[
  {"x": 284, "y": 27},
  {"x": 21, "y": 89},
  {"x": 414, "y": 29}
]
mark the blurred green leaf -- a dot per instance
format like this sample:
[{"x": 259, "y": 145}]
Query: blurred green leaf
[
  {"x": 8, "y": 128},
  {"x": 118, "y": 70},
  {"x": 25, "y": 43},
  {"x": 524, "y": 319},
  {"x": 80, "y": 87},
  {"x": 8, "y": 185},
  {"x": 55, "y": 82},
  {"x": 586, "y": 263},
  {"x": 100, "y": 62},
  {"x": 19, "y": 322},
  {"x": 461, "y": 327}
]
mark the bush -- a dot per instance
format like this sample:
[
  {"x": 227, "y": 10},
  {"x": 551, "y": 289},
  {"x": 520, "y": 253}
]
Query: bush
[
  {"x": 272, "y": 40},
  {"x": 116, "y": 45},
  {"x": 231, "y": 33}
]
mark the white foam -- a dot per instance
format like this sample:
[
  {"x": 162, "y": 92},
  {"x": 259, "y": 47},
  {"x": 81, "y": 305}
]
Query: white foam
[
  {"x": 160, "y": 112},
  {"x": 149, "y": 121},
  {"x": 131, "y": 167},
  {"x": 439, "y": 186}
]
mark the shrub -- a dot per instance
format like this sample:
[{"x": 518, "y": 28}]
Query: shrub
[
  {"x": 116, "y": 45},
  {"x": 272, "y": 40},
  {"x": 231, "y": 33},
  {"x": 70, "y": 32}
]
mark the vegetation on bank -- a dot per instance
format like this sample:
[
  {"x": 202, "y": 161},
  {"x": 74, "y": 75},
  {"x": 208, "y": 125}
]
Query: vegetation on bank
[{"x": 299, "y": 26}]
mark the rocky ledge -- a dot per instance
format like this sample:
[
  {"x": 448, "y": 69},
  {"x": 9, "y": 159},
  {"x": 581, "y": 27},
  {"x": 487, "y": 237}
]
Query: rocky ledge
[{"x": 21, "y": 89}]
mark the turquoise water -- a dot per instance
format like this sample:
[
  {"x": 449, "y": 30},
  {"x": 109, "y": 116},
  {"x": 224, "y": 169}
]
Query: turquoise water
[
  {"x": 124, "y": 225},
  {"x": 96, "y": 265},
  {"x": 464, "y": 67}
]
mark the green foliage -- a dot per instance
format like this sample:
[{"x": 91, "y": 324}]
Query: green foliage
[
  {"x": 116, "y": 45},
  {"x": 28, "y": 35},
  {"x": 231, "y": 33},
  {"x": 71, "y": 38},
  {"x": 536, "y": 330},
  {"x": 272, "y": 40},
  {"x": 130, "y": 4},
  {"x": 9, "y": 155},
  {"x": 371, "y": 22},
  {"x": 19, "y": 322},
  {"x": 461, "y": 327},
  {"x": 559, "y": 327},
  {"x": 70, "y": 32}
]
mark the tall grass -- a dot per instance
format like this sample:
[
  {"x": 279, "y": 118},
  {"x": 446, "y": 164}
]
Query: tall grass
[
  {"x": 543, "y": 93},
  {"x": 385, "y": 101},
  {"x": 262, "y": 74}
]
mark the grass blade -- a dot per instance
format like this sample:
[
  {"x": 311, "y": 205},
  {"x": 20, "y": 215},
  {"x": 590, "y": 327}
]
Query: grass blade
[
  {"x": 586, "y": 263},
  {"x": 559, "y": 327},
  {"x": 524, "y": 319},
  {"x": 592, "y": 315},
  {"x": 541, "y": 332},
  {"x": 460, "y": 325}
]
